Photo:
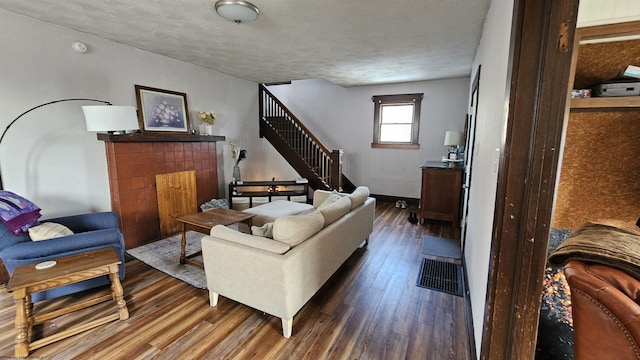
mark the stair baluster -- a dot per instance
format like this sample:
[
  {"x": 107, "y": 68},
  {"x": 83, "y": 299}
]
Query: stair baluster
[{"x": 291, "y": 138}]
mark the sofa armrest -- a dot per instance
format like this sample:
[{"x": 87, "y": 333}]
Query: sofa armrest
[
  {"x": 258, "y": 242},
  {"x": 88, "y": 222}
]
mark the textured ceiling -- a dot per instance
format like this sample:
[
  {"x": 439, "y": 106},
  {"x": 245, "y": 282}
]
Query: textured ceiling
[{"x": 347, "y": 42}]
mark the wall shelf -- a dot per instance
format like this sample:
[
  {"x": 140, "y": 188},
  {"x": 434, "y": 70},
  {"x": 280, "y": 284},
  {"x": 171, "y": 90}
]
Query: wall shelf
[{"x": 605, "y": 103}]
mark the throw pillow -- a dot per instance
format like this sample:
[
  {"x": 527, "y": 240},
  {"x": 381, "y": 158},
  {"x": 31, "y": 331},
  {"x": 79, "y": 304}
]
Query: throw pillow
[
  {"x": 17, "y": 213},
  {"x": 333, "y": 197},
  {"x": 358, "y": 196},
  {"x": 335, "y": 211},
  {"x": 48, "y": 230},
  {"x": 293, "y": 230},
  {"x": 265, "y": 230}
]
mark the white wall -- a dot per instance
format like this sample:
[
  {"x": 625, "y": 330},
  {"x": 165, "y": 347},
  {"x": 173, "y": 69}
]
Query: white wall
[
  {"x": 343, "y": 118},
  {"x": 48, "y": 156},
  {"x": 493, "y": 55},
  {"x": 598, "y": 12}
]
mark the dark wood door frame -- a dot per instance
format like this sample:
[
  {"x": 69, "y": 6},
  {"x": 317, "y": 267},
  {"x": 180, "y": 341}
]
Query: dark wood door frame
[{"x": 540, "y": 59}]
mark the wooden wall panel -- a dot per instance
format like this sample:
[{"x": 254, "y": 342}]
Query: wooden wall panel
[
  {"x": 177, "y": 197},
  {"x": 603, "y": 61},
  {"x": 599, "y": 176}
]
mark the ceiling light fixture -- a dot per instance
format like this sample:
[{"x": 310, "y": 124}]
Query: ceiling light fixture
[{"x": 238, "y": 11}]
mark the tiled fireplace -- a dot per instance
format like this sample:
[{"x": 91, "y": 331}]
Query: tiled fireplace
[{"x": 134, "y": 161}]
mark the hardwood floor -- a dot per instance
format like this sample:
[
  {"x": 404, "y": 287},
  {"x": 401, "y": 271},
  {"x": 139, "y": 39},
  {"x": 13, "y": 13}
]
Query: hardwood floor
[{"x": 370, "y": 309}]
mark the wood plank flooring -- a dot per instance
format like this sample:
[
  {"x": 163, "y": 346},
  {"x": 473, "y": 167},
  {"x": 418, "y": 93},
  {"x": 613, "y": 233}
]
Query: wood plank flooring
[{"x": 370, "y": 309}]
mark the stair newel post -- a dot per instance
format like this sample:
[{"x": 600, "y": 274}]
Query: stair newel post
[
  {"x": 261, "y": 110},
  {"x": 336, "y": 169}
]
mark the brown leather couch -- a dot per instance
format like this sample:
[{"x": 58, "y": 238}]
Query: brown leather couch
[{"x": 606, "y": 311}]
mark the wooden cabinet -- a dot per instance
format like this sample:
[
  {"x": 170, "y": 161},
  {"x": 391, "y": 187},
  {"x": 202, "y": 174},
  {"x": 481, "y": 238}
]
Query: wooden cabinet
[{"x": 440, "y": 194}]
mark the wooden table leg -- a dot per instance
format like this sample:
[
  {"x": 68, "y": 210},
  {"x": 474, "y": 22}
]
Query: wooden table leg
[
  {"x": 183, "y": 244},
  {"x": 29, "y": 307},
  {"x": 249, "y": 223},
  {"x": 23, "y": 304},
  {"x": 118, "y": 293}
]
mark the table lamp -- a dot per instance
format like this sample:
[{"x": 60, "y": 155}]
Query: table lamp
[
  {"x": 453, "y": 139},
  {"x": 110, "y": 118}
]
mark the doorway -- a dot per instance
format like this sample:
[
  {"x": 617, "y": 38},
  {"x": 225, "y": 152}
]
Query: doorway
[{"x": 470, "y": 132}]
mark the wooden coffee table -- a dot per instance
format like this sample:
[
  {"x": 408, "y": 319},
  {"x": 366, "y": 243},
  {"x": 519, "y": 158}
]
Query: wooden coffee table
[
  {"x": 203, "y": 222},
  {"x": 26, "y": 280}
]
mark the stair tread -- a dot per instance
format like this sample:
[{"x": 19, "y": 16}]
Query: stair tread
[{"x": 311, "y": 156}]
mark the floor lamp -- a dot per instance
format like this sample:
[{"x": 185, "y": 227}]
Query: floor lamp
[{"x": 55, "y": 102}]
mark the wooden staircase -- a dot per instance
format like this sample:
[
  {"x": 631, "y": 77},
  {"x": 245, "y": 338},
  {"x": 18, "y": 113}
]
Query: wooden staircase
[{"x": 302, "y": 150}]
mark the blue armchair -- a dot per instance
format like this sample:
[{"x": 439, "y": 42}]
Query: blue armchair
[{"x": 91, "y": 231}]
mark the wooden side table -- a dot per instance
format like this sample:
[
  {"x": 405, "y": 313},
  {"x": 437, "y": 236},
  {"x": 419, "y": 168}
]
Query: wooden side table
[
  {"x": 26, "y": 280},
  {"x": 203, "y": 222}
]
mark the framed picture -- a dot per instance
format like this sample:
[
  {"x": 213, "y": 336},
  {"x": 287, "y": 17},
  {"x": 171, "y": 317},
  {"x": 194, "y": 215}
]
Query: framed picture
[{"x": 162, "y": 110}]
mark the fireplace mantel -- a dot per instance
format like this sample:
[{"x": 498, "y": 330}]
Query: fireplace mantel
[
  {"x": 160, "y": 137},
  {"x": 133, "y": 162}
]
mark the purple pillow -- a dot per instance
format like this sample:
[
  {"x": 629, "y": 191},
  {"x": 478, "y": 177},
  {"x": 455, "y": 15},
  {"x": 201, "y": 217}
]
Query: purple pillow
[{"x": 17, "y": 213}]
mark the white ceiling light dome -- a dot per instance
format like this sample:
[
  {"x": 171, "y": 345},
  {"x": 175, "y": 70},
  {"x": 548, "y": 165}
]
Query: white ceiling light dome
[{"x": 237, "y": 11}]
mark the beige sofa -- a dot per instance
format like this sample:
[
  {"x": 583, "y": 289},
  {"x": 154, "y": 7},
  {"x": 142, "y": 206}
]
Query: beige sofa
[{"x": 279, "y": 276}]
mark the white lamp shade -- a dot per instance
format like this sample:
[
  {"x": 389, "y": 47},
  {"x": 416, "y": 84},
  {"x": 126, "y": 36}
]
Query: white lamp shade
[
  {"x": 238, "y": 11},
  {"x": 453, "y": 138},
  {"x": 104, "y": 118}
]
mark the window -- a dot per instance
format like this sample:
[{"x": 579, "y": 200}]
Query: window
[{"x": 396, "y": 121}]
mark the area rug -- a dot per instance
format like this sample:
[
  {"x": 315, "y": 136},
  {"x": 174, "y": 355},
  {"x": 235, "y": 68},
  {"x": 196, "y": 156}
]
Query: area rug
[
  {"x": 164, "y": 255},
  {"x": 441, "y": 247}
]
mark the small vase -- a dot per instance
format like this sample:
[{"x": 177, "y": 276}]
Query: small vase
[
  {"x": 236, "y": 173},
  {"x": 208, "y": 129}
]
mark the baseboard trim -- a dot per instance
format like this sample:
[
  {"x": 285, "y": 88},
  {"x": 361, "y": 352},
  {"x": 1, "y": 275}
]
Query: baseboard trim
[{"x": 467, "y": 311}]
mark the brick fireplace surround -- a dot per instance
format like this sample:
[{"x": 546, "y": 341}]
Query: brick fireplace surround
[{"x": 134, "y": 161}]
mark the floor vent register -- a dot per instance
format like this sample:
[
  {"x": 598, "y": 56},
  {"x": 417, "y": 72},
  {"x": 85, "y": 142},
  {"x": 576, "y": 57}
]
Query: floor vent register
[{"x": 441, "y": 276}]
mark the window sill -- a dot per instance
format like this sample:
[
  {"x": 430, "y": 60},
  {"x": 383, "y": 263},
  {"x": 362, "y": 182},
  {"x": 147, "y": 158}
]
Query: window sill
[{"x": 395, "y": 146}]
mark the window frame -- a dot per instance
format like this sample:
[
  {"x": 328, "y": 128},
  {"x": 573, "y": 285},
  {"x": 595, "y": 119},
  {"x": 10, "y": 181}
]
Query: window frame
[{"x": 399, "y": 99}]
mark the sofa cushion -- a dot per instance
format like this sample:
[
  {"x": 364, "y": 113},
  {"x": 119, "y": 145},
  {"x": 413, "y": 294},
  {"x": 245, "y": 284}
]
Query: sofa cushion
[
  {"x": 225, "y": 233},
  {"x": 335, "y": 211},
  {"x": 332, "y": 198},
  {"x": 265, "y": 230},
  {"x": 293, "y": 230},
  {"x": 48, "y": 230},
  {"x": 358, "y": 196}
]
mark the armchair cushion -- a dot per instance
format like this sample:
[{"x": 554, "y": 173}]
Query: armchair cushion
[{"x": 606, "y": 314}]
